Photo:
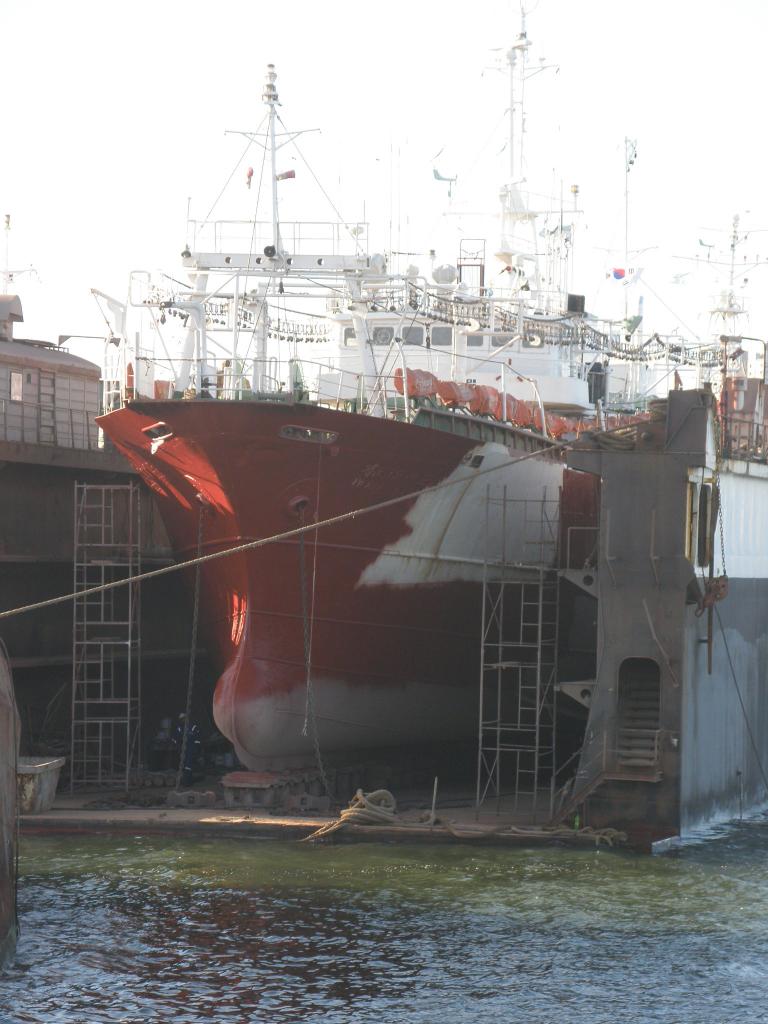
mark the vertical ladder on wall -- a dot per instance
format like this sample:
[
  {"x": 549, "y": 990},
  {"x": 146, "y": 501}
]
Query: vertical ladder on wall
[
  {"x": 106, "y": 642},
  {"x": 518, "y": 662}
]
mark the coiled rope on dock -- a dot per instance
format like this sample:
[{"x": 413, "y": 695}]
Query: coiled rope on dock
[
  {"x": 376, "y": 808},
  {"x": 380, "y": 808}
]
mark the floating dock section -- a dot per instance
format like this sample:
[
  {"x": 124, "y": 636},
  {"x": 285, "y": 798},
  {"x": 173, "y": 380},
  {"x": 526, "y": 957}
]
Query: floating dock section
[{"x": 677, "y": 730}]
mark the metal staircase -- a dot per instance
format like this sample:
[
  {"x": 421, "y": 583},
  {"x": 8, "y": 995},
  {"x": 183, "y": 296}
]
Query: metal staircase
[{"x": 638, "y": 724}]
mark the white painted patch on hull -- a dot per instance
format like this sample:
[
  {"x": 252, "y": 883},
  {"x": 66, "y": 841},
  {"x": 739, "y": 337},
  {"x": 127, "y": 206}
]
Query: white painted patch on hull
[{"x": 448, "y": 539}]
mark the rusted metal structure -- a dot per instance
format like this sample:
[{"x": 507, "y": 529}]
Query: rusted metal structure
[{"x": 677, "y": 729}]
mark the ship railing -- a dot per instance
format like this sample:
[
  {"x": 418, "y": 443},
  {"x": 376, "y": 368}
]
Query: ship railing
[
  {"x": 317, "y": 381},
  {"x": 744, "y": 439},
  {"x": 50, "y": 425},
  {"x": 331, "y": 238}
]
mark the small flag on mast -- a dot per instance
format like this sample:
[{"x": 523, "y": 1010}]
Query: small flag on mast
[
  {"x": 284, "y": 175},
  {"x": 248, "y": 177}
]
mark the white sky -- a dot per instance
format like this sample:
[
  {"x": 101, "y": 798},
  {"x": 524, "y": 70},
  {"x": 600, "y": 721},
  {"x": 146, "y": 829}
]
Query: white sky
[{"x": 114, "y": 113}]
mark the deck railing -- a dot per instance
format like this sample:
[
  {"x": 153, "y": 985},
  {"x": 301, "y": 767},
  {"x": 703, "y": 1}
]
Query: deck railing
[{"x": 743, "y": 438}]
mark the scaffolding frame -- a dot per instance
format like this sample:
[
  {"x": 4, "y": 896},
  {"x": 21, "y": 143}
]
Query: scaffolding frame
[
  {"x": 518, "y": 658},
  {"x": 106, "y": 636}
]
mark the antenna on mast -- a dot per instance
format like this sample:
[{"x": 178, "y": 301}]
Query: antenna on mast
[
  {"x": 271, "y": 143},
  {"x": 630, "y": 155},
  {"x": 517, "y": 54},
  {"x": 519, "y": 254},
  {"x": 8, "y": 274},
  {"x": 271, "y": 99}
]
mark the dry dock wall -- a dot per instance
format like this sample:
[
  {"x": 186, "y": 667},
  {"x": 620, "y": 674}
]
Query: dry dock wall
[
  {"x": 712, "y": 753},
  {"x": 36, "y": 563},
  {"x": 721, "y": 771}
]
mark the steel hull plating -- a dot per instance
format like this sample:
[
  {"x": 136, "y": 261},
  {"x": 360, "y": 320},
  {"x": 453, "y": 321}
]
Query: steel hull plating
[{"x": 387, "y": 602}]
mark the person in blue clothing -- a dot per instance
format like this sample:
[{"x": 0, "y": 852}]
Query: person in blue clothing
[{"x": 193, "y": 755}]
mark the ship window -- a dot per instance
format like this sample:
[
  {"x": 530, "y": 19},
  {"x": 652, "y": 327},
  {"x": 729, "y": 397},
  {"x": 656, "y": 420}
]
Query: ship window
[
  {"x": 294, "y": 433},
  {"x": 500, "y": 339},
  {"x": 413, "y": 335},
  {"x": 350, "y": 338},
  {"x": 475, "y": 340},
  {"x": 704, "y": 531},
  {"x": 382, "y": 335},
  {"x": 441, "y": 336},
  {"x": 16, "y": 386}
]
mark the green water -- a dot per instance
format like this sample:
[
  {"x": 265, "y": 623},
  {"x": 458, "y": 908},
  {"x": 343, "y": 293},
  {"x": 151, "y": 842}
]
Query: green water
[{"x": 165, "y": 930}]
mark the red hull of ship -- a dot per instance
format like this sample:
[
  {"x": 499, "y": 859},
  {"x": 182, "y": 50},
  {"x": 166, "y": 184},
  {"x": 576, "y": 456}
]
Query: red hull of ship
[{"x": 393, "y": 655}]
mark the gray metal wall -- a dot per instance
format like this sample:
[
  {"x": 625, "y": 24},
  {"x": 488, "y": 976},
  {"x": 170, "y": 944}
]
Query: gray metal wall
[{"x": 715, "y": 738}]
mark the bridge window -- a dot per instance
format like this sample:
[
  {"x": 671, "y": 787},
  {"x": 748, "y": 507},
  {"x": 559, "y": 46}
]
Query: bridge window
[
  {"x": 16, "y": 386},
  {"x": 413, "y": 335},
  {"x": 500, "y": 339},
  {"x": 441, "y": 336},
  {"x": 350, "y": 338},
  {"x": 382, "y": 335},
  {"x": 475, "y": 340}
]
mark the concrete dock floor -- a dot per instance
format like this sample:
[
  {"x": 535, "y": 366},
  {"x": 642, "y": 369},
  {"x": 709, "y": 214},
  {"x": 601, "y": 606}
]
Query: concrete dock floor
[{"x": 77, "y": 815}]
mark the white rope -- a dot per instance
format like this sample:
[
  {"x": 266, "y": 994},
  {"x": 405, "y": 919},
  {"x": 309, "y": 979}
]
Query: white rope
[
  {"x": 380, "y": 808},
  {"x": 376, "y": 808}
]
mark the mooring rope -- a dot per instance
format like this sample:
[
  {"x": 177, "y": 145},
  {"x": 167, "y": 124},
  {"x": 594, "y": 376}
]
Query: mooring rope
[
  {"x": 376, "y": 808},
  {"x": 380, "y": 808}
]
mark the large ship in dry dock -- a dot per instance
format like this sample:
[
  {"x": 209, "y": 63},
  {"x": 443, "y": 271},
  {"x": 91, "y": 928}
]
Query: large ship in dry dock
[
  {"x": 272, "y": 415},
  {"x": 421, "y": 402}
]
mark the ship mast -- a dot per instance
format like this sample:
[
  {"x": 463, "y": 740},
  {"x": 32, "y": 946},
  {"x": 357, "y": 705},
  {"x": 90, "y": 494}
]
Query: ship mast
[
  {"x": 630, "y": 155},
  {"x": 520, "y": 254},
  {"x": 517, "y": 53},
  {"x": 270, "y": 98}
]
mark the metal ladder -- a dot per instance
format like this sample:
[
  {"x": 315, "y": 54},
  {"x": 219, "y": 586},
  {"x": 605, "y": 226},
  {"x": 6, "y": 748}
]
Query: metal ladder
[
  {"x": 106, "y": 636},
  {"x": 518, "y": 661}
]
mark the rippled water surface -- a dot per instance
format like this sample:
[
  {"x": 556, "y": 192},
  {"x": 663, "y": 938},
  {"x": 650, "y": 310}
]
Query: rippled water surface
[{"x": 166, "y": 930}]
